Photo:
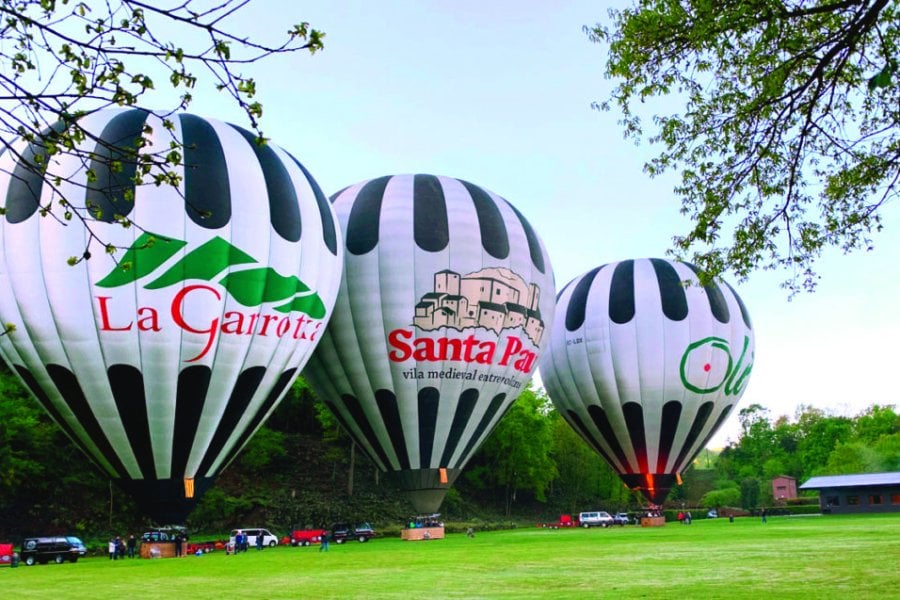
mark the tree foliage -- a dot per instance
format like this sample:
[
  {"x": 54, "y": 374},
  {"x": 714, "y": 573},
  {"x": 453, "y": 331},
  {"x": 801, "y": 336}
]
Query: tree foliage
[
  {"x": 61, "y": 60},
  {"x": 787, "y": 140}
]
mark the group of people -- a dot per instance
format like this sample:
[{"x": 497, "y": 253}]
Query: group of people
[
  {"x": 119, "y": 548},
  {"x": 685, "y": 518}
]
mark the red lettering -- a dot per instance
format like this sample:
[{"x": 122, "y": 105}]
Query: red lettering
[
  {"x": 178, "y": 317},
  {"x": 402, "y": 351},
  {"x": 104, "y": 317},
  {"x": 265, "y": 324},
  {"x": 233, "y": 323},
  {"x": 513, "y": 345},
  {"x": 150, "y": 319}
]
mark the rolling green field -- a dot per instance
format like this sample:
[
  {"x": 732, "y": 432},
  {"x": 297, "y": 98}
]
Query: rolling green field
[{"x": 818, "y": 557}]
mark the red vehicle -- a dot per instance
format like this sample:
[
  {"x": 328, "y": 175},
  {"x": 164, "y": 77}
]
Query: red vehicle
[
  {"x": 6, "y": 554},
  {"x": 564, "y": 521},
  {"x": 305, "y": 537}
]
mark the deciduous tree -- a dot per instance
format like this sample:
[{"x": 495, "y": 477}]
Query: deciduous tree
[
  {"x": 787, "y": 137},
  {"x": 63, "y": 59}
]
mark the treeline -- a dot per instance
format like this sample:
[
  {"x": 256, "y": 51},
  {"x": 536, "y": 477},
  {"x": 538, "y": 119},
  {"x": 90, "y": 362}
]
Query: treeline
[{"x": 301, "y": 470}]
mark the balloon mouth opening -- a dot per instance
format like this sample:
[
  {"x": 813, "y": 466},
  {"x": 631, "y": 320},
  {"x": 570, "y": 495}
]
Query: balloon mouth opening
[
  {"x": 166, "y": 501},
  {"x": 653, "y": 486},
  {"x": 426, "y": 488}
]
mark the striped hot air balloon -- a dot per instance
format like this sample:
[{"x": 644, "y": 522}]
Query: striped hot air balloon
[
  {"x": 646, "y": 364},
  {"x": 160, "y": 360},
  {"x": 438, "y": 326}
]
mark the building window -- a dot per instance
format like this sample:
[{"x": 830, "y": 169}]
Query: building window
[
  {"x": 875, "y": 499},
  {"x": 832, "y": 501},
  {"x": 895, "y": 498},
  {"x": 853, "y": 500}
]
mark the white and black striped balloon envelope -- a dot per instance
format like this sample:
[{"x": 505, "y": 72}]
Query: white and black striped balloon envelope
[
  {"x": 161, "y": 359},
  {"x": 646, "y": 364},
  {"x": 438, "y": 325}
]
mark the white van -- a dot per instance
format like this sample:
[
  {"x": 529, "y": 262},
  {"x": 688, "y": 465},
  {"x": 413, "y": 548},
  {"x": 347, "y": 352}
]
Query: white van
[
  {"x": 596, "y": 518},
  {"x": 269, "y": 539}
]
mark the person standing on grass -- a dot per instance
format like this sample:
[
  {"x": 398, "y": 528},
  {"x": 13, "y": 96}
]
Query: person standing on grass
[
  {"x": 326, "y": 537},
  {"x": 259, "y": 541},
  {"x": 131, "y": 545},
  {"x": 112, "y": 548},
  {"x": 763, "y": 514}
]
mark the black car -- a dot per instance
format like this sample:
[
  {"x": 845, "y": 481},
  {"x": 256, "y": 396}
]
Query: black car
[
  {"x": 58, "y": 549},
  {"x": 361, "y": 532}
]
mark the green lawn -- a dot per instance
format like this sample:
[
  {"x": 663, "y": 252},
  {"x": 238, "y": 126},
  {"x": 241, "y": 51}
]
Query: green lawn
[{"x": 817, "y": 557}]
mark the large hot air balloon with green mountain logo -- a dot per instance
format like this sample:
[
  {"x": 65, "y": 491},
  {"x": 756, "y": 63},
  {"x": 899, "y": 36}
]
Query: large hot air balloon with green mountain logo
[
  {"x": 646, "y": 364},
  {"x": 438, "y": 327},
  {"x": 161, "y": 358}
]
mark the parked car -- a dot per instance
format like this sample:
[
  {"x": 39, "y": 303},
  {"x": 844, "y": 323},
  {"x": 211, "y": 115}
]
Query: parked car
[
  {"x": 712, "y": 514},
  {"x": 621, "y": 518},
  {"x": 361, "y": 532},
  {"x": 597, "y": 518},
  {"x": 58, "y": 549},
  {"x": 305, "y": 537},
  {"x": 6, "y": 554},
  {"x": 269, "y": 538}
]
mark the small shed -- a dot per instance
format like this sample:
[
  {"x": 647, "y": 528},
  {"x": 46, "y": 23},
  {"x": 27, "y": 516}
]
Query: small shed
[
  {"x": 859, "y": 493},
  {"x": 784, "y": 487}
]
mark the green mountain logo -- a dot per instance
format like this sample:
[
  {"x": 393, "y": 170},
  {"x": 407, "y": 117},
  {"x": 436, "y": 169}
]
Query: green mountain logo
[{"x": 250, "y": 287}]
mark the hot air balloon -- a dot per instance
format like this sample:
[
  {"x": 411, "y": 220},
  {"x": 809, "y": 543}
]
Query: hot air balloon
[
  {"x": 438, "y": 325},
  {"x": 161, "y": 359},
  {"x": 646, "y": 364}
]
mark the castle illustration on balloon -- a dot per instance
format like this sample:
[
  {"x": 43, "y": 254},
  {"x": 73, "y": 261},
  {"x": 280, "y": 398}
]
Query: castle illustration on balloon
[{"x": 494, "y": 298}]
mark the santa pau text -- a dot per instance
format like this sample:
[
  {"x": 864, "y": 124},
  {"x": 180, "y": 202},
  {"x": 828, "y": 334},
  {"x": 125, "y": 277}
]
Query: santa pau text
[{"x": 404, "y": 346}]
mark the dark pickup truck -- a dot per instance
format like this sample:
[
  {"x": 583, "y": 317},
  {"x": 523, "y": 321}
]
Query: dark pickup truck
[{"x": 361, "y": 532}]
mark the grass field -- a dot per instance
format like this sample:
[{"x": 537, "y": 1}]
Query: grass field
[{"x": 844, "y": 557}]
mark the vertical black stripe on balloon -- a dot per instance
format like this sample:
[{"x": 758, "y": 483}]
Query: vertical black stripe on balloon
[
  {"x": 284, "y": 208},
  {"x": 329, "y": 233},
  {"x": 23, "y": 194},
  {"x": 193, "y": 384},
  {"x": 353, "y": 435},
  {"x": 671, "y": 413},
  {"x": 114, "y": 164},
  {"x": 579, "y": 425},
  {"x": 489, "y": 414},
  {"x": 75, "y": 399},
  {"x": 48, "y": 405},
  {"x": 722, "y": 416},
  {"x": 429, "y": 399},
  {"x": 634, "y": 422},
  {"x": 576, "y": 309},
  {"x": 534, "y": 244},
  {"x": 671, "y": 290},
  {"x": 744, "y": 314},
  {"x": 494, "y": 238},
  {"x": 365, "y": 217},
  {"x": 464, "y": 407},
  {"x": 127, "y": 385},
  {"x": 601, "y": 421},
  {"x": 430, "y": 226},
  {"x": 246, "y": 385},
  {"x": 621, "y": 293},
  {"x": 274, "y": 394},
  {"x": 717, "y": 304},
  {"x": 362, "y": 423},
  {"x": 696, "y": 427},
  {"x": 207, "y": 194},
  {"x": 390, "y": 416}
]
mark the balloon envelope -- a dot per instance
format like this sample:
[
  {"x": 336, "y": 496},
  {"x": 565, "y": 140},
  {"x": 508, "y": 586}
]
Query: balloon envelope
[
  {"x": 438, "y": 325},
  {"x": 162, "y": 359},
  {"x": 646, "y": 364}
]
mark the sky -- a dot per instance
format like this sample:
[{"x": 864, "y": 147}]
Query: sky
[{"x": 499, "y": 93}]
